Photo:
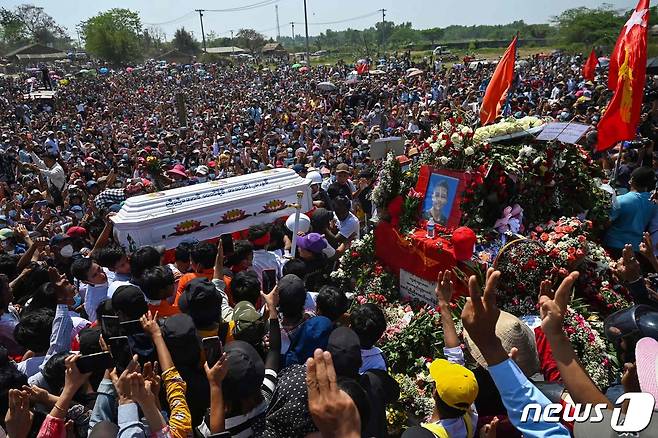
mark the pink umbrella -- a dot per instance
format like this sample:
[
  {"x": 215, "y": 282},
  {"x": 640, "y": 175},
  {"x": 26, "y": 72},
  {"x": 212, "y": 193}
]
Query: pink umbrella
[
  {"x": 129, "y": 69},
  {"x": 303, "y": 69}
]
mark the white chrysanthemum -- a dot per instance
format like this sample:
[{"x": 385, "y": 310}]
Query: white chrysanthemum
[{"x": 469, "y": 151}]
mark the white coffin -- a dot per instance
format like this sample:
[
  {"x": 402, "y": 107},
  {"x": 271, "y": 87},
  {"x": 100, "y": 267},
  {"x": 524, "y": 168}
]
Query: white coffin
[{"x": 208, "y": 210}]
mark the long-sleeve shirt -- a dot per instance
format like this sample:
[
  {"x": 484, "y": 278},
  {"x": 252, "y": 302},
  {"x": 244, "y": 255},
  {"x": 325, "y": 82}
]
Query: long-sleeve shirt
[
  {"x": 104, "y": 407},
  {"x": 516, "y": 391},
  {"x": 227, "y": 310},
  {"x": 52, "y": 427},
  {"x": 180, "y": 419},
  {"x": 60, "y": 340},
  {"x": 54, "y": 175}
]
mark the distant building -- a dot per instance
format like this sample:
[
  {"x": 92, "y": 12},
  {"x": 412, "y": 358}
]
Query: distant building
[
  {"x": 35, "y": 53},
  {"x": 225, "y": 51},
  {"x": 176, "y": 56},
  {"x": 274, "y": 49}
]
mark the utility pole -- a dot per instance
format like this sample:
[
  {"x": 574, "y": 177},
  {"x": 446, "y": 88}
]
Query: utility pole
[
  {"x": 203, "y": 35},
  {"x": 232, "y": 43},
  {"x": 278, "y": 29},
  {"x": 292, "y": 23},
  {"x": 383, "y": 21},
  {"x": 308, "y": 58}
]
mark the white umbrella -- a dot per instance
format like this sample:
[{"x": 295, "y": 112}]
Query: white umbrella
[
  {"x": 416, "y": 72},
  {"x": 377, "y": 72},
  {"x": 326, "y": 86},
  {"x": 409, "y": 70}
]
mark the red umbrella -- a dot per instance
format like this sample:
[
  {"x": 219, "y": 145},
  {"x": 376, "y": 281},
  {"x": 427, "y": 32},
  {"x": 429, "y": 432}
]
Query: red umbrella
[{"x": 303, "y": 69}]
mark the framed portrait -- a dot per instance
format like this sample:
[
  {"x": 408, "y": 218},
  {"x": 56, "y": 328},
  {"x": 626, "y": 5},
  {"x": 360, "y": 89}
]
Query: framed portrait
[{"x": 442, "y": 191}]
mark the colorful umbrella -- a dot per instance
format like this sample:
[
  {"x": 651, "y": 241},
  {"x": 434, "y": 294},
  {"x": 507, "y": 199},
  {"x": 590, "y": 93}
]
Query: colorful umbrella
[
  {"x": 326, "y": 86},
  {"x": 295, "y": 65}
]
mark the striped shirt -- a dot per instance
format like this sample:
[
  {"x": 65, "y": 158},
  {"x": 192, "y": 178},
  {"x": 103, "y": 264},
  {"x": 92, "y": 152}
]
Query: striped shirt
[{"x": 252, "y": 423}]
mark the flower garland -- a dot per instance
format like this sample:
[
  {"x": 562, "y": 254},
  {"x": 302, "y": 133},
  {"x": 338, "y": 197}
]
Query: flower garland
[
  {"x": 387, "y": 185},
  {"x": 509, "y": 126},
  {"x": 590, "y": 348}
]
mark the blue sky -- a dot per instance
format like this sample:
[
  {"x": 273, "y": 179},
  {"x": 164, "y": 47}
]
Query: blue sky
[{"x": 421, "y": 13}]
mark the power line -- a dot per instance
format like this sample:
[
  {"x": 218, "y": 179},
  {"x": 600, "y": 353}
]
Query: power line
[
  {"x": 245, "y": 7},
  {"x": 181, "y": 18},
  {"x": 344, "y": 20}
]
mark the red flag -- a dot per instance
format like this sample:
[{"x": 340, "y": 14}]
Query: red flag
[
  {"x": 501, "y": 81},
  {"x": 589, "y": 69},
  {"x": 618, "y": 54},
  {"x": 621, "y": 117}
]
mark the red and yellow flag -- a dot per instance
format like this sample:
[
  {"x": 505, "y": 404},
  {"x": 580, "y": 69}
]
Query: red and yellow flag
[
  {"x": 499, "y": 86},
  {"x": 628, "y": 65},
  {"x": 589, "y": 69}
]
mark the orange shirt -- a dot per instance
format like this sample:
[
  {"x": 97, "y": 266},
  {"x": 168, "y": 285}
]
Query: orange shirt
[
  {"x": 208, "y": 273},
  {"x": 164, "y": 309}
]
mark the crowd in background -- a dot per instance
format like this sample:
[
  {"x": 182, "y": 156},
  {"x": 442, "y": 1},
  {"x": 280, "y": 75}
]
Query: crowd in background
[{"x": 297, "y": 357}]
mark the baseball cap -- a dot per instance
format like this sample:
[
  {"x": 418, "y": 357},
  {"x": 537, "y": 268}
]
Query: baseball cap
[
  {"x": 130, "y": 301},
  {"x": 6, "y": 233},
  {"x": 312, "y": 242},
  {"x": 290, "y": 285},
  {"x": 345, "y": 350},
  {"x": 201, "y": 300},
  {"x": 640, "y": 320},
  {"x": 463, "y": 240},
  {"x": 58, "y": 239},
  {"x": 249, "y": 326},
  {"x": 646, "y": 359},
  {"x": 76, "y": 232},
  {"x": 304, "y": 223},
  {"x": 455, "y": 384},
  {"x": 314, "y": 177},
  {"x": 246, "y": 371},
  {"x": 91, "y": 184},
  {"x": 512, "y": 332},
  {"x": 342, "y": 168},
  {"x": 180, "y": 335}
]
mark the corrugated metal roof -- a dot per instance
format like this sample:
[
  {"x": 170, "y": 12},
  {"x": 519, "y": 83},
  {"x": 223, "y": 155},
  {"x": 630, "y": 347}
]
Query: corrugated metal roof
[{"x": 225, "y": 50}]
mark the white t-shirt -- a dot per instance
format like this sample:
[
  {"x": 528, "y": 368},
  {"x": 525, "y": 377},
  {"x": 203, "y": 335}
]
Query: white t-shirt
[{"x": 348, "y": 227}]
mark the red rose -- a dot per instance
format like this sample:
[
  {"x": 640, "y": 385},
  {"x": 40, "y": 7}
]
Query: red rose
[
  {"x": 354, "y": 254},
  {"x": 544, "y": 237}
]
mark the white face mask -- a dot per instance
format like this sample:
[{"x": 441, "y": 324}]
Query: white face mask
[{"x": 66, "y": 251}]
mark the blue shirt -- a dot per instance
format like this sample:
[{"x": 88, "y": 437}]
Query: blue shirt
[
  {"x": 630, "y": 216},
  {"x": 517, "y": 391}
]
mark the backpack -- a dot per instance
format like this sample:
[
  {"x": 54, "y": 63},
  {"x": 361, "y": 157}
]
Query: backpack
[
  {"x": 441, "y": 432},
  {"x": 312, "y": 334}
]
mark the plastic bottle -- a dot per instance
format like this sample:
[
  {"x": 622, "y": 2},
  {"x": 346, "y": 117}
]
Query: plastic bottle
[{"x": 431, "y": 233}]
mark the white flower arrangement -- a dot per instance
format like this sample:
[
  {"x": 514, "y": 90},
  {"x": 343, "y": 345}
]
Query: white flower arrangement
[{"x": 508, "y": 126}]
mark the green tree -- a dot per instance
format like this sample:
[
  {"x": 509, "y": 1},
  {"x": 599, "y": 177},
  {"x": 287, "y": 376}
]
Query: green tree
[
  {"x": 589, "y": 27},
  {"x": 114, "y": 36},
  {"x": 432, "y": 35},
  {"x": 185, "y": 42},
  {"x": 250, "y": 39},
  {"x": 30, "y": 23}
]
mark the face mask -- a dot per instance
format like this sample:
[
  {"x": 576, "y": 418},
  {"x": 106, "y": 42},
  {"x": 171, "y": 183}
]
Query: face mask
[
  {"x": 66, "y": 251},
  {"x": 316, "y": 154},
  {"x": 12, "y": 214},
  {"x": 202, "y": 179}
]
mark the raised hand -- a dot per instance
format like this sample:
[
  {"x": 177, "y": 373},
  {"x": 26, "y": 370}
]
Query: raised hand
[
  {"x": 444, "y": 287},
  {"x": 150, "y": 324},
  {"x": 553, "y": 306},
  {"x": 333, "y": 411},
  {"x": 18, "y": 419},
  {"x": 218, "y": 372},
  {"x": 627, "y": 267}
]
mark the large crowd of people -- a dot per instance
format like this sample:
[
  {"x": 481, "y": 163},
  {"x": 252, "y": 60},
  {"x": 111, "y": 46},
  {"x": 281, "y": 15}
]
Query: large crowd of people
[{"x": 97, "y": 341}]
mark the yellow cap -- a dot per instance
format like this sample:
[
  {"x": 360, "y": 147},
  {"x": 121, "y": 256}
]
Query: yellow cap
[{"x": 455, "y": 384}]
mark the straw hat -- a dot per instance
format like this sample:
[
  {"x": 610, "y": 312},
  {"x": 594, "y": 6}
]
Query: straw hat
[{"x": 512, "y": 332}]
